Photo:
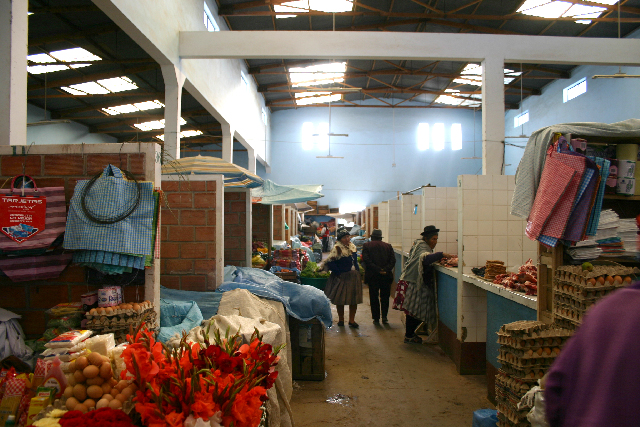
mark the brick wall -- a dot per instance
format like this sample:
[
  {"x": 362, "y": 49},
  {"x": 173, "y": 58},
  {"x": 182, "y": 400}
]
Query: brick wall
[
  {"x": 260, "y": 221},
  {"x": 30, "y": 299},
  {"x": 278, "y": 222},
  {"x": 188, "y": 233},
  {"x": 235, "y": 228}
]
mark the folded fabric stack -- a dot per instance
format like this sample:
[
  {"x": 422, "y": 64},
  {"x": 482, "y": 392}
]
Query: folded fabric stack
[
  {"x": 113, "y": 223},
  {"x": 586, "y": 250},
  {"x": 628, "y": 233}
]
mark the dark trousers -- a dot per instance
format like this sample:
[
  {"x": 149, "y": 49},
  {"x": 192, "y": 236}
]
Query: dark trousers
[
  {"x": 325, "y": 244},
  {"x": 379, "y": 299},
  {"x": 411, "y": 325}
]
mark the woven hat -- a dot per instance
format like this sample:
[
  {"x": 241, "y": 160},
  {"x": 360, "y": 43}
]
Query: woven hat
[
  {"x": 376, "y": 233},
  {"x": 430, "y": 230},
  {"x": 342, "y": 232}
]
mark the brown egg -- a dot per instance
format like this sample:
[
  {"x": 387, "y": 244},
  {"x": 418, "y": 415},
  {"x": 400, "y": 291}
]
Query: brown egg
[
  {"x": 115, "y": 404},
  {"x": 95, "y": 359},
  {"x": 106, "y": 388},
  {"x": 71, "y": 380},
  {"x": 95, "y": 392},
  {"x": 121, "y": 397},
  {"x": 72, "y": 366},
  {"x": 89, "y": 403},
  {"x": 95, "y": 381},
  {"x": 107, "y": 397},
  {"x": 122, "y": 385},
  {"x": 114, "y": 392},
  {"x": 106, "y": 359},
  {"x": 127, "y": 392},
  {"x": 627, "y": 279},
  {"x": 101, "y": 311},
  {"x": 79, "y": 377},
  {"x": 600, "y": 280},
  {"x": 82, "y": 362},
  {"x": 133, "y": 387},
  {"x": 105, "y": 370},
  {"x": 108, "y": 311},
  {"x": 609, "y": 280},
  {"x": 136, "y": 307},
  {"x": 68, "y": 392},
  {"x": 80, "y": 392},
  {"x": 93, "y": 312},
  {"x": 591, "y": 282},
  {"x": 91, "y": 371},
  {"x": 617, "y": 279},
  {"x": 82, "y": 408},
  {"x": 102, "y": 403},
  {"x": 71, "y": 403},
  {"x": 113, "y": 382}
]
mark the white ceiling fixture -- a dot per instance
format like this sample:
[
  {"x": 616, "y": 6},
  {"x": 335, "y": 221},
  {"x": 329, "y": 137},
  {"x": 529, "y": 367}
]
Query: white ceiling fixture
[
  {"x": 132, "y": 108},
  {"x": 67, "y": 55},
  {"x": 304, "y": 6},
  {"x": 113, "y": 85},
  {"x": 155, "y": 124},
  {"x": 564, "y": 9}
]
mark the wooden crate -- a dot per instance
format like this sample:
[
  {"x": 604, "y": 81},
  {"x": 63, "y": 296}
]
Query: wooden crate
[
  {"x": 307, "y": 349},
  {"x": 288, "y": 276}
]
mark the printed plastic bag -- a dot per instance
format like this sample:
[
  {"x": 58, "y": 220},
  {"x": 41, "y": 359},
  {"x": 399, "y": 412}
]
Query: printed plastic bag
[{"x": 12, "y": 337}]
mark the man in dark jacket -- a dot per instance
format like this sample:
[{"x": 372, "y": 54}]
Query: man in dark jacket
[{"x": 378, "y": 259}]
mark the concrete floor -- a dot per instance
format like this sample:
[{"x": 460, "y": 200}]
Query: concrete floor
[{"x": 374, "y": 379}]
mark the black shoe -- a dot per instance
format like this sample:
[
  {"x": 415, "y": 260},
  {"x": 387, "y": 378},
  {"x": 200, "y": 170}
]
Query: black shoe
[
  {"x": 340, "y": 323},
  {"x": 353, "y": 325},
  {"x": 384, "y": 320},
  {"x": 376, "y": 321}
]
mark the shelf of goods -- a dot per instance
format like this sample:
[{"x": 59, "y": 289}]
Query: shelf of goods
[{"x": 527, "y": 350}]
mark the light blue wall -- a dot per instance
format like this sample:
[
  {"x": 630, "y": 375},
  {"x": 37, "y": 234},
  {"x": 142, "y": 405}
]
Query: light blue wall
[
  {"x": 448, "y": 300},
  {"x": 366, "y": 176},
  {"x": 60, "y": 133}
]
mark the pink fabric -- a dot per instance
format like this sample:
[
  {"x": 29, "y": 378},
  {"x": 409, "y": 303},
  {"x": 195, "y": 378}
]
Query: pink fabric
[{"x": 555, "y": 179}]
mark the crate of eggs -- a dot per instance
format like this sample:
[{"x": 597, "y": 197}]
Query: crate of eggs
[
  {"x": 576, "y": 288},
  {"x": 527, "y": 350},
  {"x": 121, "y": 319},
  {"x": 92, "y": 386}
]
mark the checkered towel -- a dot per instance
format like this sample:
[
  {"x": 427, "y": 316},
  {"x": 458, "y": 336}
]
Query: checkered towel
[{"x": 109, "y": 197}]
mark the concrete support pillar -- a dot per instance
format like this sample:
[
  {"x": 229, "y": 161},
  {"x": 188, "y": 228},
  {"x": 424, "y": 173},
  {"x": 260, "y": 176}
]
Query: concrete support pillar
[
  {"x": 252, "y": 160},
  {"x": 227, "y": 142},
  {"x": 173, "y": 82},
  {"x": 492, "y": 115},
  {"x": 14, "y": 25}
]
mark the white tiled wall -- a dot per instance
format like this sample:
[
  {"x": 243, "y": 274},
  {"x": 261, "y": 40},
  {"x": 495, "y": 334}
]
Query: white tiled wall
[
  {"x": 383, "y": 220},
  {"x": 441, "y": 209},
  {"x": 412, "y": 224},
  {"x": 473, "y": 313},
  {"x": 488, "y": 230},
  {"x": 395, "y": 223}
]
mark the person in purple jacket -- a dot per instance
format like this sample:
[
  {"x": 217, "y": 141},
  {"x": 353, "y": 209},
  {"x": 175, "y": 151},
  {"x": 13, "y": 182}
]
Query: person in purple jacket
[{"x": 595, "y": 381}]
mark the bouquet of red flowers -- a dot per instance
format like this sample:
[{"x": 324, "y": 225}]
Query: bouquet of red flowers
[
  {"x": 104, "y": 417},
  {"x": 222, "y": 384}
]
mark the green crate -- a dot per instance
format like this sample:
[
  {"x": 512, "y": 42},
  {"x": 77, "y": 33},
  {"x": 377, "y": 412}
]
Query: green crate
[{"x": 317, "y": 282}]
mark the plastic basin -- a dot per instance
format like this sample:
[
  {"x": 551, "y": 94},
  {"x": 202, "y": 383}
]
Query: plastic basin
[{"x": 316, "y": 282}]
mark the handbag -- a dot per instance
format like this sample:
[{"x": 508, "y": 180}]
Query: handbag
[
  {"x": 39, "y": 267},
  {"x": 55, "y": 220}
]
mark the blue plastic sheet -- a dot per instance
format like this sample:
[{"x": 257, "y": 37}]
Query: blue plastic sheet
[
  {"x": 485, "y": 418},
  {"x": 208, "y": 302},
  {"x": 301, "y": 301},
  {"x": 176, "y": 317}
]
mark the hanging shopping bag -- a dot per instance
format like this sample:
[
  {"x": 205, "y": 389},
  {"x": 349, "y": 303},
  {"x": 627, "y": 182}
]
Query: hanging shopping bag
[
  {"x": 112, "y": 214},
  {"x": 40, "y": 267},
  {"x": 31, "y": 218}
]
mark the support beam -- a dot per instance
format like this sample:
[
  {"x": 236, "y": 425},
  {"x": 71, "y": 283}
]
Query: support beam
[
  {"x": 227, "y": 142},
  {"x": 252, "y": 160},
  {"x": 173, "y": 82},
  {"x": 407, "y": 46},
  {"x": 492, "y": 116},
  {"x": 13, "y": 77}
]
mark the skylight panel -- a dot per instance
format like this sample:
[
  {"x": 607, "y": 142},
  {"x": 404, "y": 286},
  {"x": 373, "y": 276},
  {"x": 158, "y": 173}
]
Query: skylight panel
[
  {"x": 315, "y": 75},
  {"x": 149, "y": 105},
  {"x": 131, "y": 108},
  {"x": 308, "y": 98},
  {"x": 557, "y": 9},
  {"x": 40, "y": 69},
  {"x": 304, "y": 6},
  {"x": 118, "y": 84},
  {"x": 77, "y": 54},
  {"x": 73, "y": 91},
  {"x": 155, "y": 124},
  {"x": 40, "y": 58},
  {"x": 459, "y": 100},
  {"x": 88, "y": 88},
  {"x": 185, "y": 134},
  {"x": 473, "y": 75}
]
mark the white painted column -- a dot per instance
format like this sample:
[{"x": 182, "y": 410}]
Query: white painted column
[
  {"x": 492, "y": 115},
  {"x": 14, "y": 25},
  {"x": 252, "y": 160},
  {"x": 227, "y": 142},
  {"x": 173, "y": 82}
]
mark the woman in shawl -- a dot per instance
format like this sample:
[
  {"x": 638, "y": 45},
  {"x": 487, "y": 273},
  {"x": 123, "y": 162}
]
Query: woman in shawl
[
  {"x": 416, "y": 293},
  {"x": 344, "y": 286}
]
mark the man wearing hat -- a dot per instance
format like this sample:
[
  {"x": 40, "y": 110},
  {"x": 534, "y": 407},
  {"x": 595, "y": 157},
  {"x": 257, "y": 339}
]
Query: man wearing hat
[
  {"x": 416, "y": 293},
  {"x": 379, "y": 259}
]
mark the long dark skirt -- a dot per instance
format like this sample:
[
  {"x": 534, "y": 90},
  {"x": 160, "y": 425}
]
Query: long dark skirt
[{"x": 345, "y": 289}]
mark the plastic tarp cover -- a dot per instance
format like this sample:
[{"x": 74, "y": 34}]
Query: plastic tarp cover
[
  {"x": 12, "y": 338},
  {"x": 274, "y": 194},
  {"x": 176, "y": 317},
  {"x": 208, "y": 302},
  {"x": 301, "y": 301}
]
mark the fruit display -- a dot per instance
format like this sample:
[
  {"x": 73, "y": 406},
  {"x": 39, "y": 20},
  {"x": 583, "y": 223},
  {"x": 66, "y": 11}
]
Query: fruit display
[
  {"x": 92, "y": 386},
  {"x": 527, "y": 350},
  {"x": 121, "y": 318},
  {"x": 576, "y": 288}
]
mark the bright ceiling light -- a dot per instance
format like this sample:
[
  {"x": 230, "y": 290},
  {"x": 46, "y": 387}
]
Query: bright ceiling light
[
  {"x": 304, "y": 6},
  {"x": 88, "y": 88},
  {"x": 77, "y": 54},
  {"x": 131, "y": 108},
  {"x": 40, "y": 69},
  {"x": 459, "y": 100},
  {"x": 308, "y": 98},
  {"x": 118, "y": 84},
  {"x": 40, "y": 58},
  {"x": 473, "y": 75},
  {"x": 315, "y": 75},
  {"x": 557, "y": 9},
  {"x": 67, "y": 55},
  {"x": 155, "y": 124},
  {"x": 185, "y": 134}
]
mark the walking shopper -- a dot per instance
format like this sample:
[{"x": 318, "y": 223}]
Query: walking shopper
[
  {"x": 326, "y": 232},
  {"x": 344, "y": 286},
  {"x": 378, "y": 259},
  {"x": 416, "y": 293}
]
